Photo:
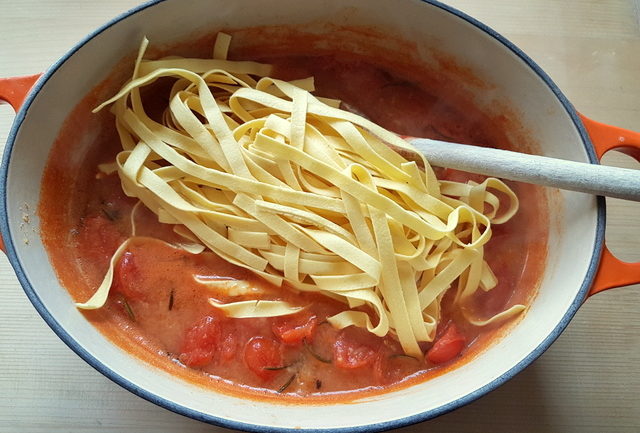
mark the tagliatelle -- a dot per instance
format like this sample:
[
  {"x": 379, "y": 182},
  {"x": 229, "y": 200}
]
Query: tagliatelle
[
  {"x": 286, "y": 184},
  {"x": 243, "y": 309}
]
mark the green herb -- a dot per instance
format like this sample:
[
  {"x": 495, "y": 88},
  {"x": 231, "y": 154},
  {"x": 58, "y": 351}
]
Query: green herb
[
  {"x": 314, "y": 354},
  {"x": 287, "y": 383},
  {"x": 282, "y": 367},
  {"x": 402, "y": 355},
  {"x": 171, "y": 300},
  {"x": 128, "y": 309},
  {"x": 111, "y": 215}
]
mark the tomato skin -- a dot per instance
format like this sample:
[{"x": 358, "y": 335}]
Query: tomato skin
[
  {"x": 261, "y": 353},
  {"x": 126, "y": 278},
  {"x": 200, "y": 343},
  {"x": 447, "y": 347},
  {"x": 228, "y": 347},
  {"x": 349, "y": 351},
  {"x": 380, "y": 368},
  {"x": 293, "y": 330},
  {"x": 390, "y": 367}
]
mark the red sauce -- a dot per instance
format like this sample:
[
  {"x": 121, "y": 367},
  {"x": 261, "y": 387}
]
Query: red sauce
[{"x": 159, "y": 312}]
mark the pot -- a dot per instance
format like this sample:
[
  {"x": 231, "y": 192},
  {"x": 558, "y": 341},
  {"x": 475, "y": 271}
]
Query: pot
[{"x": 579, "y": 262}]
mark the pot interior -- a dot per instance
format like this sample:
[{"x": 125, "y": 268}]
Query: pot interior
[{"x": 505, "y": 83}]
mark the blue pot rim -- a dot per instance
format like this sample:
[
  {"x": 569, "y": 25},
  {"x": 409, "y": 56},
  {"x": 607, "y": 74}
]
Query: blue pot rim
[{"x": 211, "y": 419}]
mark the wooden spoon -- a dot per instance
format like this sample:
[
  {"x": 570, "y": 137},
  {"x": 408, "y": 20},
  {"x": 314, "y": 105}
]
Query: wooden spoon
[{"x": 595, "y": 179}]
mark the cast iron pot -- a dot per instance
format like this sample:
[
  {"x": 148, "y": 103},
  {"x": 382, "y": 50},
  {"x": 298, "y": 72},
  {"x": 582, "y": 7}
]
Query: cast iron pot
[{"x": 578, "y": 262}]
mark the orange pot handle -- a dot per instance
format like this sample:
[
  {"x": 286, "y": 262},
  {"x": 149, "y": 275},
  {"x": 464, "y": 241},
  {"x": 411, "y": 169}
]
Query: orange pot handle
[
  {"x": 613, "y": 272},
  {"x": 14, "y": 91}
]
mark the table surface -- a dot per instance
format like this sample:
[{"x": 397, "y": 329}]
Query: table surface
[{"x": 588, "y": 381}]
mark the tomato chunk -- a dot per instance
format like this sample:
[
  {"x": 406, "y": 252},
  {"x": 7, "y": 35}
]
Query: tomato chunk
[
  {"x": 126, "y": 279},
  {"x": 447, "y": 347},
  {"x": 200, "y": 343},
  {"x": 393, "y": 367},
  {"x": 353, "y": 349},
  {"x": 228, "y": 347},
  {"x": 261, "y": 354},
  {"x": 293, "y": 330}
]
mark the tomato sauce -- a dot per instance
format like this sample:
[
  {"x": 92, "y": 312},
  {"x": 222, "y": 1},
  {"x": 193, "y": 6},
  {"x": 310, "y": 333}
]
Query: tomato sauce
[{"x": 160, "y": 312}]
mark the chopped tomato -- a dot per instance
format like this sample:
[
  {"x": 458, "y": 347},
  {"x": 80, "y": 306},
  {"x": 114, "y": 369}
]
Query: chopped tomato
[
  {"x": 293, "y": 330},
  {"x": 126, "y": 278},
  {"x": 380, "y": 368},
  {"x": 447, "y": 347},
  {"x": 228, "y": 347},
  {"x": 261, "y": 354},
  {"x": 393, "y": 367},
  {"x": 200, "y": 343},
  {"x": 353, "y": 349}
]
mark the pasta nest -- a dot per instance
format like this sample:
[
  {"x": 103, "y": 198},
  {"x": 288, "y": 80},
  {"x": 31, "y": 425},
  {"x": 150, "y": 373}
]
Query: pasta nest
[{"x": 276, "y": 180}]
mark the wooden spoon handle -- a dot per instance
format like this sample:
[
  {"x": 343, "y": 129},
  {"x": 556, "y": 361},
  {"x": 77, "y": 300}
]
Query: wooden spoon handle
[{"x": 595, "y": 179}]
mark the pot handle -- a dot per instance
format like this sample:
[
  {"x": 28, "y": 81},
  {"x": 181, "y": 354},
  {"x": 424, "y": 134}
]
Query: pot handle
[
  {"x": 14, "y": 91},
  {"x": 613, "y": 272}
]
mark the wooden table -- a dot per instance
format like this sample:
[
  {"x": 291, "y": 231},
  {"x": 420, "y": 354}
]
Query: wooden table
[{"x": 588, "y": 381}]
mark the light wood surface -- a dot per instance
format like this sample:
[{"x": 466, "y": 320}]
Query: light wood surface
[{"x": 588, "y": 381}]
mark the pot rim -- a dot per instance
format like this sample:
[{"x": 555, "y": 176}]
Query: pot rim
[{"x": 216, "y": 420}]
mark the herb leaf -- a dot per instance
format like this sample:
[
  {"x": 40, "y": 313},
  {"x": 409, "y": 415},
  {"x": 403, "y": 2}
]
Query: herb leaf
[
  {"x": 111, "y": 215},
  {"x": 402, "y": 355},
  {"x": 171, "y": 300},
  {"x": 128, "y": 309},
  {"x": 287, "y": 383},
  {"x": 282, "y": 367}
]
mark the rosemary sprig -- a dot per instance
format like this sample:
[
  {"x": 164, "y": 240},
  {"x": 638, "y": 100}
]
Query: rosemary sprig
[
  {"x": 171, "y": 300},
  {"x": 111, "y": 216},
  {"x": 287, "y": 383},
  {"x": 314, "y": 354},
  {"x": 402, "y": 355},
  {"x": 281, "y": 367},
  {"x": 128, "y": 309}
]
